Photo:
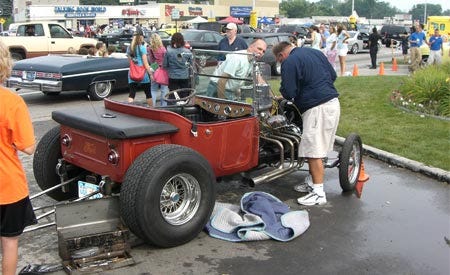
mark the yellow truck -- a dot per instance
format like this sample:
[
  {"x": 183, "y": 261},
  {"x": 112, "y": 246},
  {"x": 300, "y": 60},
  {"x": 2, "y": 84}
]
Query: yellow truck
[{"x": 439, "y": 22}]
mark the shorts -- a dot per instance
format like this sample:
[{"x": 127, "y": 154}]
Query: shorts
[
  {"x": 343, "y": 51},
  {"x": 14, "y": 217},
  {"x": 319, "y": 129}
]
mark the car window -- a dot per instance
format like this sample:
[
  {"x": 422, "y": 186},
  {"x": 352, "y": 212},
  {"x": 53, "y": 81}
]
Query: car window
[
  {"x": 192, "y": 36},
  {"x": 271, "y": 41},
  {"x": 208, "y": 37},
  {"x": 39, "y": 30},
  {"x": 56, "y": 31}
]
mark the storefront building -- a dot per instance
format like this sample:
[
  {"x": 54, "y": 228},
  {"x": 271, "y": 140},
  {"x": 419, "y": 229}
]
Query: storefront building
[{"x": 73, "y": 15}]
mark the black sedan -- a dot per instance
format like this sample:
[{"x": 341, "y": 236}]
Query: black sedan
[
  {"x": 117, "y": 37},
  {"x": 199, "y": 39},
  {"x": 54, "y": 74},
  {"x": 271, "y": 39}
]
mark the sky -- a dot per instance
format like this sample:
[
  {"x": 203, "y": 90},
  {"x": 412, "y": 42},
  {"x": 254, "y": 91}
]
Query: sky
[{"x": 406, "y": 5}]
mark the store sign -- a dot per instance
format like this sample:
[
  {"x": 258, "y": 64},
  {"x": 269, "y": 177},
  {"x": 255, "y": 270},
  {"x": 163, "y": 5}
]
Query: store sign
[
  {"x": 240, "y": 11},
  {"x": 168, "y": 10},
  {"x": 195, "y": 11},
  {"x": 79, "y": 11},
  {"x": 133, "y": 12},
  {"x": 80, "y": 15},
  {"x": 70, "y": 9}
]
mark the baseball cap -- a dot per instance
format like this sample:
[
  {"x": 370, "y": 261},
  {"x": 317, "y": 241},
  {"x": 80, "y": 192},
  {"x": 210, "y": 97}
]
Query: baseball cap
[{"x": 231, "y": 26}]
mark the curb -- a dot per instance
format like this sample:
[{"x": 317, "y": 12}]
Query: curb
[{"x": 399, "y": 161}]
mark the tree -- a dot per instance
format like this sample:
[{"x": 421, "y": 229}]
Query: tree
[{"x": 6, "y": 6}]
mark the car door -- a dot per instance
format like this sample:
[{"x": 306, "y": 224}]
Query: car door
[
  {"x": 60, "y": 39},
  {"x": 36, "y": 43}
]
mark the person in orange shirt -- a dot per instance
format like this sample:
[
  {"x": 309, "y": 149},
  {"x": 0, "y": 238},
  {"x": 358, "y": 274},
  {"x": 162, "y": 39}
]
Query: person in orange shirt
[{"x": 16, "y": 134}]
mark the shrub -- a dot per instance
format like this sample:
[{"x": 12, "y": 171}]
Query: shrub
[{"x": 427, "y": 91}]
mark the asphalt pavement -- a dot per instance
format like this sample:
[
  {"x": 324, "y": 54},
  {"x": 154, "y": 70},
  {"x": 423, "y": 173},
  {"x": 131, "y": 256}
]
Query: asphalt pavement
[{"x": 400, "y": 225}]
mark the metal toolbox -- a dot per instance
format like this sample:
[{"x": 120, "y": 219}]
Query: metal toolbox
[{"x": 91, "y": 236}]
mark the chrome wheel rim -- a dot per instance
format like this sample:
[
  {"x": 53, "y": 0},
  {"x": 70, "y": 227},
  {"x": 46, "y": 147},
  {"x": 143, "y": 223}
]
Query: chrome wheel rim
[
  {"x": 180, "y": 199},
  {"x": 354, "y": 163},
  {"x": 102, "y": 89}
]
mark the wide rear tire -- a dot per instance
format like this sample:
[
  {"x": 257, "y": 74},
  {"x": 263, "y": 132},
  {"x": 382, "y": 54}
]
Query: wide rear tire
[
  {"x": 48, "y": 152},
  {"x": 350, "y": 159},
  {"x": 168, "y": 195}
]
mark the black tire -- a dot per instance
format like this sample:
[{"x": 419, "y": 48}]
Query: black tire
[
  {"x": 16, "y": 56},
  {"x": 350, "y": 159},
  {"x": 100, "y": 90},
  {"x": 48, "y": 152},
  {"x": 167, "y": 195}
]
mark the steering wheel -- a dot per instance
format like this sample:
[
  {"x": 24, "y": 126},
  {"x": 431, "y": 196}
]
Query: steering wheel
[{"x": 180, "y": 100}]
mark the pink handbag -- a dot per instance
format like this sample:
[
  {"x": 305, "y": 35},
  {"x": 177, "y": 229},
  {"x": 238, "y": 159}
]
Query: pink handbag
[{"x": 161, "y": 76}]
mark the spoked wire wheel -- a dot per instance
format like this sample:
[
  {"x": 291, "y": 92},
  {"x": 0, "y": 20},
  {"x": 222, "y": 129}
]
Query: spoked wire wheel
[
  {"x": 350, "y": 159},
  {"x": 180, "y": 199}
]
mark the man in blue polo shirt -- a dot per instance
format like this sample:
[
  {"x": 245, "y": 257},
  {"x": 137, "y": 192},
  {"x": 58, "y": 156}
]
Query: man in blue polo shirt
[
  {"x": 415, "y": 41},
  {"x": 308, "y": 78},
  {"x": 232, "y": 42},
  {"x": 436, "y": 48}
]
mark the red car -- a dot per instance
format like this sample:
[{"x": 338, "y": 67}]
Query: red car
[{"x": 164, "y": 161}]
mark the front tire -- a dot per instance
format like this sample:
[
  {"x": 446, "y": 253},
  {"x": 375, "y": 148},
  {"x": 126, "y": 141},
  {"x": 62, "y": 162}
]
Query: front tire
[
  {"x": 350, "y": 159},
  {"x": 100, "y": 90},
  {"x": 168, "y": 195},
  {"x": 48, "y": 152}
]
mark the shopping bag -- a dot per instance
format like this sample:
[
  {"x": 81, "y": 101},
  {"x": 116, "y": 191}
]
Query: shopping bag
[
  {"x": 161, "y": 76},
  {"x": 137, "y": 73}
]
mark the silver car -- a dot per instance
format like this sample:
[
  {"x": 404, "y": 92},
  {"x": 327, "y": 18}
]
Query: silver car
[{"x": 358, "y": 41}]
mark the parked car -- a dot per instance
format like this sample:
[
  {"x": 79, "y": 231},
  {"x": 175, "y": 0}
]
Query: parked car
[
  {"x": 392, "y": 32},
  {"x": 199, "y": 39},
  {"x": 358, "y": 41},
  {"x": 53, "y": 74},
  {"x": 117, "y": 37},
  {"x": 171, "y": 28},
  {"x": 271, "y": 38},
  {"x": 300, "y": 31}
]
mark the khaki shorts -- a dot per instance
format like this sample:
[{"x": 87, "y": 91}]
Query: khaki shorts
[{"x": 319, "y": 129}]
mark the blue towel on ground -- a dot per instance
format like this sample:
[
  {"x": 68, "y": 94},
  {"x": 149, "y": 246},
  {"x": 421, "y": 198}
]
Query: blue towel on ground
[{"x": 261, "y": 216}]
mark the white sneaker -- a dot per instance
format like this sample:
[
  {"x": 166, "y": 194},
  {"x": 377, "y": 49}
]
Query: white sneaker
[
  {"x": 312, "y": 199},
  {"x": 305, "y": 187}
]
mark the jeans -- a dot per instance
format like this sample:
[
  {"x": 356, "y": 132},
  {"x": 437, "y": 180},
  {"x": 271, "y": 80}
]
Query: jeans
[{"x": 164, "y": 90}]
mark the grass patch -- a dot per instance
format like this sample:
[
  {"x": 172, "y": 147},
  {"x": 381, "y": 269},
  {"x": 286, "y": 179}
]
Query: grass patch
[{"x": 366, "y": 109}]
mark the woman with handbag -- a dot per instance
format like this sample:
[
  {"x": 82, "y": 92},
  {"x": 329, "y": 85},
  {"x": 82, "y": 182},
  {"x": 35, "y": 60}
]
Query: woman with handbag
[
  {"x": 159, "y": 76},
  {"x": 139, "y": 67},
  {"x": 177, "y": 62}
]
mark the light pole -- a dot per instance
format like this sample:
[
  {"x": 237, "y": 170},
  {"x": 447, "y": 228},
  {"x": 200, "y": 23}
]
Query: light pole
[
  {"x": 425, "y": 14},
  {"x": 353, "y": 5}
]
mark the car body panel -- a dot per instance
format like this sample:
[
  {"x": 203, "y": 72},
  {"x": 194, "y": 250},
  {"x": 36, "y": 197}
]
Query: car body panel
[
  {"x": 199, "y": 39},
  {"x": 357, "y": 39},
  {"x": 229, "y": 156},
  {"x": 75, "y": 72}
]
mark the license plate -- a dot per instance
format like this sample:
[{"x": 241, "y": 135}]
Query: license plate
[
  {"x": 85, "y": 188},
  {"x": 30, "y": 76}
]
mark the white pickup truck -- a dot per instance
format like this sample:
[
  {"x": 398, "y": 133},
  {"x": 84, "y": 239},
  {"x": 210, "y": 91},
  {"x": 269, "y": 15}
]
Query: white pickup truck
[{"x": 34, "y": 39}]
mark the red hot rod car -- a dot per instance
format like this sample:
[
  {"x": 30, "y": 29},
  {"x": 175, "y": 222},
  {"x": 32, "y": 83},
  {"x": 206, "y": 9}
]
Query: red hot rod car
[{"x": 164, "y": 161}]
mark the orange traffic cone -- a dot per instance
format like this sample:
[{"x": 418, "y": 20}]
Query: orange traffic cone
[
  {"x": 355, "y": 70},
  {"x": 381, "y": 72},
  {"x": 394, "y": 65},
  {"x": 363, "y": 177}
]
